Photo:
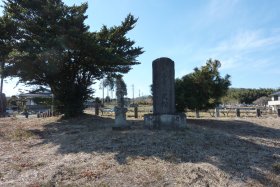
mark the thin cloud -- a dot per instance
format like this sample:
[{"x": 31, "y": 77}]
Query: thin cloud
[
  {"x": 213, "y": 12},
  {"x": 218, "y": 9},
  {"x": 230, "y": 63},
  {"x": 248, "y": 41},
  {"x": 242, "y": 50}
]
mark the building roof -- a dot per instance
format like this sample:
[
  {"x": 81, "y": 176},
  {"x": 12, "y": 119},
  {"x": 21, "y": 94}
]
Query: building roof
[
  {"x": 42, "y": 95},
  {"x": 40, "y": 92}
]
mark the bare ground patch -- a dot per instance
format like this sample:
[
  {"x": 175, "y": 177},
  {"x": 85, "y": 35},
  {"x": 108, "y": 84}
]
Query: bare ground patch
[{"x": 85, "y": 151}]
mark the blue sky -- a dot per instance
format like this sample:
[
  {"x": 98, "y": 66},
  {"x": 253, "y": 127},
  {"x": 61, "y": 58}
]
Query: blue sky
[{"x": 243, "y": 34}]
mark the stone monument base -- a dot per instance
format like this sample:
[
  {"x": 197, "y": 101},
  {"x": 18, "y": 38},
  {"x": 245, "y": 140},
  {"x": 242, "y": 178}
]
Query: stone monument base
[
  {"x": 165, "y": 121},
  {"x": 120, "y": 119}
]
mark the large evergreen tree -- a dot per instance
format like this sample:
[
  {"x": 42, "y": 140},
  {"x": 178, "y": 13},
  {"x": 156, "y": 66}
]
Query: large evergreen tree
[
  {"x": 201, "y": 89},
  {"x": 54, "y": 48},
  {"x": 7, "y": 30}
]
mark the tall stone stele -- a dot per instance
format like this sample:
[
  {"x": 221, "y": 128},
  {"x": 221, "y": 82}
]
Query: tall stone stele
[
  {"x": 164, "y": 113},
  {"x": 120, "y": 110}
]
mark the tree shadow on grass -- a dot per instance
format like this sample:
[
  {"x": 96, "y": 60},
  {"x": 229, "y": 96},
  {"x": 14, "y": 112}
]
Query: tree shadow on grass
[
  {"x": 243, "y": 149},
  {"x": 238, "y": 127}
]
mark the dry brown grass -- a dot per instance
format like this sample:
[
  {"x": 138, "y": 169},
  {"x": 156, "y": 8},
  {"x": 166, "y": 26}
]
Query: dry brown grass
[
  {"x": 86, "y": 152},
  {"x": 276, "y": 167}
]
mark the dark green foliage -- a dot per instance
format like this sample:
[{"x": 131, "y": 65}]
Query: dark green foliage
[
  {"x": 7, "y": 30},
  {"x": 12, "y": 101},
  {"x": 98, "y": 100},
  {"x": 115, "y": 41},
  {"x": 201, "y": 89},
  {"x": 107, "y": 99},
  {"x": 17, "y": 103},
  {"x": 42, "y": 101},
  {"x": 245, "y": 95},
  {"x": 55, "y": 49},
  {"x": 151, "y": 89},
  {"x": 120, "y": 86}
]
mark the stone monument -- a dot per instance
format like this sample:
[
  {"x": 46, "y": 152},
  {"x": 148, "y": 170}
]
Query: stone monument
[
  {"x": 3, "y": 105},
  {"x": 120, "y": 110},
  {"x": 164, "y": 113}
]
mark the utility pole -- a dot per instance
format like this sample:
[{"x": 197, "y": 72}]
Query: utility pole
[
  {"x": 133, "y": 93},
  {"x": 2, "y": 78},
  {"x": 112, "y": 94},
  {"x": 52, "y": 107},
  {"x": 101, "y": 86},
  {"x": 1, "y": 89},
  {"x": 103, "y": 91}
]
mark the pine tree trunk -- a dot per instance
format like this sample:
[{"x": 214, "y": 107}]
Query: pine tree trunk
[{"x": 73, "y": 108}]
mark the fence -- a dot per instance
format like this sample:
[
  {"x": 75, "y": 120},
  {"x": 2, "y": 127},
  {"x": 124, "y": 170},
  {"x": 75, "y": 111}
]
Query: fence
[
  {"x": 235, "y": 112},
  {"x": 141, "y": 110}
]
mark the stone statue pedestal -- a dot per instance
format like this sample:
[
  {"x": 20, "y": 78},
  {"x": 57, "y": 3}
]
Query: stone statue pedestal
[
  {"x": 165, "y": 121},
  {"x": 120, "y": 119}
]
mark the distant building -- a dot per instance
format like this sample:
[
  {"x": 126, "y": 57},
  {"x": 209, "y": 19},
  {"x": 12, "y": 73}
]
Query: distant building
[
  {"x": 275, "y": 100},
  {"x": 31, "y": 104},
  {"x": 30, "y": 97}
]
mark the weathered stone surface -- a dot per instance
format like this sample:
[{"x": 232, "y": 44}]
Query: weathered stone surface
[
  {"x": 3, "y": 104},
  {"x": 96, "y": 109},
  {"x": 164, "y": 113},
  {"x": 163, "y": 86},
  {"x": 135, "y": 112},
  {"x": 217, "y": 112},
  {"x": 165, "y": 121},
  {"x": 237, "y": 112},
  {"x": 120, "y": 110},
  {"x": 258, "y": 112},
  {"x": 120, "y": 119}
]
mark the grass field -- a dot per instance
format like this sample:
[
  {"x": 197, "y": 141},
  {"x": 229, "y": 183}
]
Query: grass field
[{"x": 86, "y": 152}]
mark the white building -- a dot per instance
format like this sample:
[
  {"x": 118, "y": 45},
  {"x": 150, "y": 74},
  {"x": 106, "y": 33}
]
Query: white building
[
  {"x": 275, "y": 100},
  {"x": 30, "y": 97},
  {"x": 31, "y": 105}
]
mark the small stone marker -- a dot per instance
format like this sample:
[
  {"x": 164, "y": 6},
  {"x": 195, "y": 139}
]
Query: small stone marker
[
  {"x": 135, "y": 112},
  {"x": 120, "y": 110},
  {"x": 96, "y": 109},
  {"x": 164, "y": 112},
  {"x": 197, "y": 113},
  {"x": 120, "y": 119},
  {"x": 3, "y": 105},
  {"x": 238, "y": 112},
  {"x": 217, "y": 112},
  {"x": 258, "y": 112}
]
